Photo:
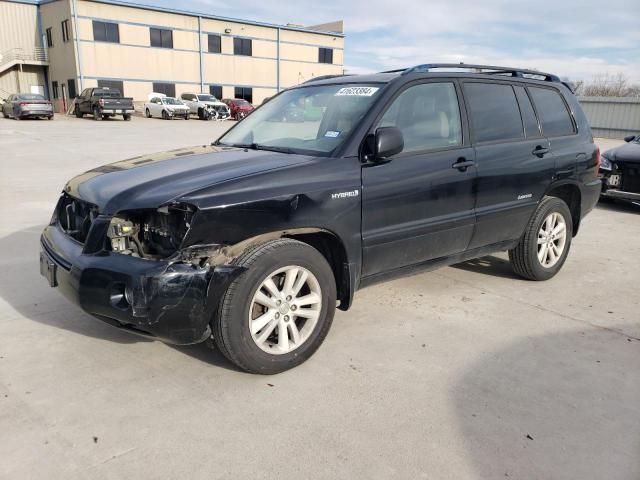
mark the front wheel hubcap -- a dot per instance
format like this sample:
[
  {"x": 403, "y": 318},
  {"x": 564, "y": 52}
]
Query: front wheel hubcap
[
  {"x": 285, "y": 310},
  {"x": 552, "y": 238}
]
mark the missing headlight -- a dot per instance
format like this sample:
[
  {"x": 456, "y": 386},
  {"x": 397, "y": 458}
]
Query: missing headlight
[{"x": 153, "y": 234}]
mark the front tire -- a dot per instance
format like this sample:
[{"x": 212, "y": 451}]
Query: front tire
[
  {"x": 544, "y": 247},
  {"x": 77, "y": 112},
  {"x": 147, "y": 113},
  {"x": 277, "y": 313}
]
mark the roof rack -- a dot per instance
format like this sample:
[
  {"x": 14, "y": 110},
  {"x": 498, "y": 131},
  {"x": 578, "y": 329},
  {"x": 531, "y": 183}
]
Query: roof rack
[
  {"x": 324, "y": 77},
  {"x": 486, "y": 69}
]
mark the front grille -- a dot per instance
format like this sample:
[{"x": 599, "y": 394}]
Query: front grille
[
  {"x": 631, "y": 179},
  {"x": 75, "y": 217}
]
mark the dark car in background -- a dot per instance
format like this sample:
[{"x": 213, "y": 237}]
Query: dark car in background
[
  {"x": 238, "y": 107},
  {"x": 255, "y": 240},
  {"x": 27, "y": 105},
  {"x": 620, "y": 171},
  {"x": 103, "y": 103}
]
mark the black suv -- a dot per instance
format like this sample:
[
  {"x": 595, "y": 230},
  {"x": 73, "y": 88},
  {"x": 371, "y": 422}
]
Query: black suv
[{"x": 253, "y": 241}]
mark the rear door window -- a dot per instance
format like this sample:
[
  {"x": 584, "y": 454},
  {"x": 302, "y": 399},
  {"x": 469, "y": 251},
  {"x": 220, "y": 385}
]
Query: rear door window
[
  {"x": 531, "y": 127},
  {"x": 554, "y": 116},
  {"x": 494, "y": 111}
]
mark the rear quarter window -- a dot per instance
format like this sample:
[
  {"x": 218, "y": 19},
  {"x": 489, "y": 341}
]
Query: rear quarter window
[
  {"x": 554, "y": 116},
  {"x": 494, "y": 111}
]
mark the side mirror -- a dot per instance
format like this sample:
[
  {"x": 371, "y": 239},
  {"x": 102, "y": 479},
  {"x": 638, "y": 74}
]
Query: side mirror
[
  {"x": 629, "y": 138},
  {"x": 387, "y": 142}
]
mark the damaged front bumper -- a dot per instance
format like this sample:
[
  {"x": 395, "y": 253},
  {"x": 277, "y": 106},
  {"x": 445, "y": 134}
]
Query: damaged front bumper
[{"x": 169, "y": 300}]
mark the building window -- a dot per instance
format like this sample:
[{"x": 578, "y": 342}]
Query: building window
[
  {"x": 161, "y": 38},
  {"x": 246, "y": 93},
  {"x": 325, "y": 55},
  {"x": 216, "y": 91},
  {"x": 169, "y": 89},
  {"x": 112, "y": 85},
  {"x": 49, "y": 37},
  {"x": 215, "y": 44},
  {"x": 54, "y": 89},
  {"x": 106, "y": 32},
  {"x": 71, "y": 83},
  {"x": 242, "y": 46},
  {"x": 65, "y": 31}
]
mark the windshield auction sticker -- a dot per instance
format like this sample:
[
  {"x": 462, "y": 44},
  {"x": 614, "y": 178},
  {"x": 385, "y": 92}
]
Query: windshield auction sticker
[{"x": 356, "y": 91}]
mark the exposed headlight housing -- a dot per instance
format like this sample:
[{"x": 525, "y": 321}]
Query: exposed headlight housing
[
  {"x": 150, "y": 233},
  {"x": 605, "y": 163}
]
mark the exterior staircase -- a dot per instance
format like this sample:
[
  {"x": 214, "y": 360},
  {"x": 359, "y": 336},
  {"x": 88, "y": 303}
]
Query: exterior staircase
[{"x": 19, "y": 56}]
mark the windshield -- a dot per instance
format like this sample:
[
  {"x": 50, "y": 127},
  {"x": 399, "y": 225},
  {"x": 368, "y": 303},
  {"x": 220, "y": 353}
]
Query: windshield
[
  {"x": 312, "y": 120},
  {"x": 171, "y": 101},
  {"x": 30, "y": 96},
  {"x": 207, "y": 98}
]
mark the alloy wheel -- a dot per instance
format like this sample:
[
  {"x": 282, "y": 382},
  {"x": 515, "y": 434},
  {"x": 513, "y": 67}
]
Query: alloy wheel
[
  {"x": 285, "y": 310},
  {"x": 552, "y": 238}
]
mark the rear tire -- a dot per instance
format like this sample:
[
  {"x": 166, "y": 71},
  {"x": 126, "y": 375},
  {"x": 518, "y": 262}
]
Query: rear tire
[
  {"x": 291, "y": 317},
  {"x": 96, "y": 114},
  {"x": 126, "y": 117},
  {"x": 543, "y": 249}
]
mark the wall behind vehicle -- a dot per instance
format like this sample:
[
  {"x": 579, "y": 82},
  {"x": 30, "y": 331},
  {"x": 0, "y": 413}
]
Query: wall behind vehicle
[
  {"x": 20, "y": 38},
  {"x": 137, "y": 64},
  {"x": 612, "y": 117},
  {"x": 62, "y": 56}
]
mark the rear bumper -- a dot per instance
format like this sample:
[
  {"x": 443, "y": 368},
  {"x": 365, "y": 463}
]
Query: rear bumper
[
  {"x": 173, "y": 302},
  {"x": 590, "y": 195}
]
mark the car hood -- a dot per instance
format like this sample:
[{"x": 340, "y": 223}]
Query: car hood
[
  {"x": 215, "y": 104},
  {"x": 627, "y": 153},
  {"x": 153, "y": 180}
]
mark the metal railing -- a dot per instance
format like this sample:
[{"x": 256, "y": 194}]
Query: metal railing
[{"x": 18, "y": 55}]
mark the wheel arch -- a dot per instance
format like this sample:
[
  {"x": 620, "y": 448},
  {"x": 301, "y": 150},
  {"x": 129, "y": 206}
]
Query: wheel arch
[
  {"x": 568, "y": 192},
  {"x": 328, "y": 243}
]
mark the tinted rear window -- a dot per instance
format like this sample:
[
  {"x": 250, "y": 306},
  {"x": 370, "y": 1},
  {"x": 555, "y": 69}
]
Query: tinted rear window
[
  {"x": 494, "y": 112},
  {"x": 107, "y": 93},
  {"x": 29, "y": 96},
  {"x": 529, "y": 119},
  {"x": 552, "y": 111}
]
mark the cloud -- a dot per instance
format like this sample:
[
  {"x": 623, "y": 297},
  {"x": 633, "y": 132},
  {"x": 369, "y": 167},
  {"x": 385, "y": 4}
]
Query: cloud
[{"x": 574, "y": 38}]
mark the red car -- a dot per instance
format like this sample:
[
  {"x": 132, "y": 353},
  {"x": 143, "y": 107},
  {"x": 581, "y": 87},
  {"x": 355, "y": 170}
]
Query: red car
[{"x": 239, "y": 107}]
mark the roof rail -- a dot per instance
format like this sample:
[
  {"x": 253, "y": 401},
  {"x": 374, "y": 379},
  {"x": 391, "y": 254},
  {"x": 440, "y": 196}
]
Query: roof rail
[
  {"x": 486, "y": 69},
  {"x": 324, "y": 77}
]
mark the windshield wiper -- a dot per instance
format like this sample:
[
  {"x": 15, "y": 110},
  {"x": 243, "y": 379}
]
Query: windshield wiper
[
  {"x": 257, "y": 146},
  {"x": 272, "y": 148}
]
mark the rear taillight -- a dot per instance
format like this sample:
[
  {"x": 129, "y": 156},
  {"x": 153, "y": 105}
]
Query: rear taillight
[
  {"x": 597, "y": 160},
  {"x": 23, "y": 103},
  {"x": 101, "y": 102}
]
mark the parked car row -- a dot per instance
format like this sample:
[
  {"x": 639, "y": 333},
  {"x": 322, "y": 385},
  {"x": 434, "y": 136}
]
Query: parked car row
[{"x": 103, "y": 103}]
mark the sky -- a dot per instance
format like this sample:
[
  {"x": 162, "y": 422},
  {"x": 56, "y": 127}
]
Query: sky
[{"x": 575, "y": 39}]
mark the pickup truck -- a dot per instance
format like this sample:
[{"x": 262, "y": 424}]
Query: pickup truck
[{"x": 103, "y": 103}]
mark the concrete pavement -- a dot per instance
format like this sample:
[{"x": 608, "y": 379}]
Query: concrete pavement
[{"x": 463, "y": 373}]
